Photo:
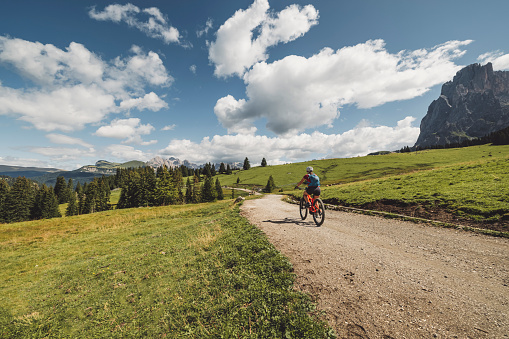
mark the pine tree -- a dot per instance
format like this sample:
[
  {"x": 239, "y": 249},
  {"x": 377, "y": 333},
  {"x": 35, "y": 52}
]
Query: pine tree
[
  {"x": 264, "y": 162},
  {"x": 61, "y": 190},
  {"x": 189, "y": 192},
  {"x": 81, "y": 198},
  {"x": 103, "y": 195},
  {"x": 166, "y": 193},
  {"x": 129, "y": 195},
  {"x": 70, "y": 187},
  {"x": 4, "y": 190},
  {"x": 48, "y": 203},
  {"x": 147, "y": 186},
  {"x": 196, "y": 190},
  {"x": 222, "y": 169},
  {"x": 207, "y": 170},
  {"x": 246, "y": 164},
  {"x": 270, "y": 185},
  {"x": 19, "y": 201},
  {"x": 219, "y": 190},
  {"x": 208, "y": 193},
  {"x": 91, "y": 195},
  {"x": 228, "y": 169},
  {"x": 72, "y": 206}
]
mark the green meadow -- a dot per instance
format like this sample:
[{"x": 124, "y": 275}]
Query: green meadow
[
  {"x": 471, "y": 182},
  {"x": 193, "y": 271},
  {"x": 201, "y": 270}
]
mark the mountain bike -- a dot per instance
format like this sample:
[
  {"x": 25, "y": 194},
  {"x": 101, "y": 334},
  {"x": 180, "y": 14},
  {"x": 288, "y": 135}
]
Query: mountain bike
[{"x": 316, "y": 209}]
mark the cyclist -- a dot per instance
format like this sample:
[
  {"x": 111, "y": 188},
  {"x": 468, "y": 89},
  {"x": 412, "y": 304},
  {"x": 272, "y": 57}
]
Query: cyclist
[{"x": 313, "y": 183}]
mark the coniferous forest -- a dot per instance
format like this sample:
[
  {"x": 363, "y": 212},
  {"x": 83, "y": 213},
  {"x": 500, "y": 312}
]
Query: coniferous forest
[{"x": 22, "y": 199}]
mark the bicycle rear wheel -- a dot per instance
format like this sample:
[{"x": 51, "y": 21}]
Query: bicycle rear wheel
[
  {"x": 303, "y": 209},
  {"x": 319, "y": 215}
]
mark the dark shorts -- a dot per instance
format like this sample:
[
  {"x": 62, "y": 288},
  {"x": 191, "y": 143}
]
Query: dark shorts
[{"x": 313, "y": 190}]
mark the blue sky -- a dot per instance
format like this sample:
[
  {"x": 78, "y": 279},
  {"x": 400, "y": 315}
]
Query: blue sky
[{"x": 218, "y": 81}]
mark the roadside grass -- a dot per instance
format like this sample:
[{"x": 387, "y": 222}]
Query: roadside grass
[
  {"x": 478, "y": 190},
  {"x": 198, "y": 271}
]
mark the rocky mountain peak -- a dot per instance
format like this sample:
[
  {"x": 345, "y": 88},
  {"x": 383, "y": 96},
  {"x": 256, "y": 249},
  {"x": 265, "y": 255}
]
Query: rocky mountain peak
[{"x": 474, "y": 104}]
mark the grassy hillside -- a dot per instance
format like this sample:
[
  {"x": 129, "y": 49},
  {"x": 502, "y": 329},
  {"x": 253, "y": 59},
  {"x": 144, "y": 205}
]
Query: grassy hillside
[
  {"x": 340, "y": 171},
  {"x": 198, "y": 271},
  {"x": 478, "y": 191}
]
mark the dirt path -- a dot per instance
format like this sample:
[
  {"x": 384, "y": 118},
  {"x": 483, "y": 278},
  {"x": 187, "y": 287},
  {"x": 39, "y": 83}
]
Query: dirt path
[{"x": 382, "y": 278}]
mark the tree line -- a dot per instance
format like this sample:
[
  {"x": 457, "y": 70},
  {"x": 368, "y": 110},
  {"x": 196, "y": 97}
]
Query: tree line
[
  {"x": 144, "y": 187},
  {"x": 26, "y": 200}
]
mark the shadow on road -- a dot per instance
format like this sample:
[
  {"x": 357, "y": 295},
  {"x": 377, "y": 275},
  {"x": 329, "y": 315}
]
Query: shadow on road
[{"x": 296, "y": 221}]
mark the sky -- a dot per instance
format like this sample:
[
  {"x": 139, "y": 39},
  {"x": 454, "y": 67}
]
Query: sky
[{"x": 218, "y": 81}]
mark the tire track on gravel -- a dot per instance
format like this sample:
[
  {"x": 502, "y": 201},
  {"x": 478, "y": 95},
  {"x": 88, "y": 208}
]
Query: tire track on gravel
[{"x": 383, "y": 278}]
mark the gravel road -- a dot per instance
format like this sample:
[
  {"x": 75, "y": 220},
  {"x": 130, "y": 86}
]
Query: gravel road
[{"x": 383, "y": 278}]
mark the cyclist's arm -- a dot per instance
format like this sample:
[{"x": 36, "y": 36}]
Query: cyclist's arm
[{"x": 300, "y": 183}]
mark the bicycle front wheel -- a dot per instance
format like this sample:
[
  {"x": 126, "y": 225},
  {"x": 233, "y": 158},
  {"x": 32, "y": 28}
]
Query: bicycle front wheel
[
  {"x": 303, "y": 209},
  {"x": 319, "y": 215}
]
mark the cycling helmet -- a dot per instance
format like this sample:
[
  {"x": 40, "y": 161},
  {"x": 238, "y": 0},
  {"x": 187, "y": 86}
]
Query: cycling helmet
[{"x": 309, "y": 169}]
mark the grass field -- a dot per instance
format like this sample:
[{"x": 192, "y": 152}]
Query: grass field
[
  {"x": 470, "y": 182},
  {"x": 478, "y": 190},
  {"x": 341, "y": 171},
  {"x": 194, "y": 271}
]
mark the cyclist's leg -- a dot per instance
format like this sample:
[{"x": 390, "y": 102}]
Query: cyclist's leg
[{"x": 307, "y": 198}]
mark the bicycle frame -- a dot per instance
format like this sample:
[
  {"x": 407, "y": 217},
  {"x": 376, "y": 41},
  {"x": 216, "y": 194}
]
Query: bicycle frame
[
  {"x": 316, "y": 209},
  {"x": 311, "y": 200}
]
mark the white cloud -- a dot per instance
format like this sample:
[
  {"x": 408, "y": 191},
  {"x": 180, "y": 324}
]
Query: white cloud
[
  {"x": 155, "y": 26},
  {"x": 296, "y": 93},
  {"x": 63, "y": 154},
  {"x": 150, "y": 101},
  {"x": 192, "y": 68},
  {"x": 129, "y": 129},
  {"x": 67, "y": 140},
  {"x": 205, "y": 30},
  {"x": 358, "y": 141},
  {"x": 25, "y": 162},
  {"x": 499, "y": 60},
  {"x": 74, "y": 87},
  {"x": 65, "y": 108},
  {"x": 236, "y": 49},
  {"x": 169, "y": 127},
  {"x": 125, "y": 153}
]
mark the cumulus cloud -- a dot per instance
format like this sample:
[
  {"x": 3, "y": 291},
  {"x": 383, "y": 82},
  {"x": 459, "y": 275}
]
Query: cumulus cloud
[
  {"x": 150, "y": 101},
  {"x": 296, "y": 93},
  {"x": 67, "y": 140},
  {"x": 149, "y": 20},
  {"x": 126, "y": 153},
  {"x": 236, "y": 48},
  {"x": 499, "y": 60},
  {"x": 74, "y": 87},
  {"x": 361, "y": 140},
  {"x": 129, "y": 129}
]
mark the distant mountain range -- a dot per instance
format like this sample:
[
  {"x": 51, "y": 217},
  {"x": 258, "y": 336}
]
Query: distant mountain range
[
  {"x": 87, "y": 173},
  {"x": 28, "y": 172}
]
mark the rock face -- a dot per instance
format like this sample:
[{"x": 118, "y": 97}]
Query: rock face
[{"x": 474, "y": 104}]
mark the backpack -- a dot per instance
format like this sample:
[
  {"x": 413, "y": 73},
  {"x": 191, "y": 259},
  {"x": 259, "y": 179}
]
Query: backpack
[{"x": 313, "y": 180}]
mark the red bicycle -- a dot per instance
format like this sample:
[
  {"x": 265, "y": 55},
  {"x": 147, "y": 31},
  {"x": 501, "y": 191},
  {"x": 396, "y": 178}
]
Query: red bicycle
[{"x": 316, "y": 209}]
